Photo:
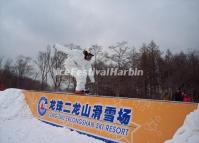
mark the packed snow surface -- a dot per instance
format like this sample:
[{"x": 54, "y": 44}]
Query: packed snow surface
[
  {"x": 17, "y": 124},
  {"x": 189, "y": 132}
]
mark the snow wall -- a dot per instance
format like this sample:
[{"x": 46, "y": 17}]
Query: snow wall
[{"x": 111, "y": 119}]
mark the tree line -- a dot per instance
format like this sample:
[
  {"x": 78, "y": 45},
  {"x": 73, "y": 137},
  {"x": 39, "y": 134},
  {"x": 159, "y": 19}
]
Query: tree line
[{"x": 163, "y": 72}]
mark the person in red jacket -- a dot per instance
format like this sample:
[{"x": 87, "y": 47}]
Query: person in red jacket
[{"x": 186, "y": 98}]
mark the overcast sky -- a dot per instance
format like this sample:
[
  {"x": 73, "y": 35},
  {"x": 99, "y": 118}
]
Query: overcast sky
[{"x": 27, "y": 26}]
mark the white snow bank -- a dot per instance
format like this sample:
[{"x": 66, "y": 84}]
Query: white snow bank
[
  {"x": 189, "y": 132},
  {"x": 17, "y": 124}
]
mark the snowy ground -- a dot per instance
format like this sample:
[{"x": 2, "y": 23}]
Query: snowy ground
[
  {"x": 189, "y": 132},
  {"x": 17, "y": 124}
]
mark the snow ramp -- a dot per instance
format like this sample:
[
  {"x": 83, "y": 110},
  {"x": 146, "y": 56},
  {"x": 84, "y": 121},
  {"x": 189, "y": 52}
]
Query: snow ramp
[
  {"x": 110, "y": 119},
  {"x": 18, "y": 125}
]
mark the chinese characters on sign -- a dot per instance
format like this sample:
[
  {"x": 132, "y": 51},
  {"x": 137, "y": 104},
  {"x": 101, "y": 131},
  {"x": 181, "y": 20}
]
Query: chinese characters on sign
[{"x": 96, "y": 112}]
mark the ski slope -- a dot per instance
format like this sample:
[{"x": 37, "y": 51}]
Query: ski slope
[{"x": 17, "y": 124}]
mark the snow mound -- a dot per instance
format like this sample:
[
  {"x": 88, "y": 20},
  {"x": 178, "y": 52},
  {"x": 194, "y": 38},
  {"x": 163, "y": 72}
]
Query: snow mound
[
  {"x": 12, "y": 105},
  {"x": 17, "y": 124},
  {"x": 189, "y": 132}
]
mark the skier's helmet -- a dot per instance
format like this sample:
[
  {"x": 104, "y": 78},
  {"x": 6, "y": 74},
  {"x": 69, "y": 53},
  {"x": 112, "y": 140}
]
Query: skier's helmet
[
  {"x": 90, "y": 51},
  {"x": 88, "y": 54}
]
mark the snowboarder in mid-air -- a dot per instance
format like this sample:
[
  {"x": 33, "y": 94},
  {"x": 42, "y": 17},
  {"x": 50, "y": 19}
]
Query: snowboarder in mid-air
[{"x": 78, "y": 63}]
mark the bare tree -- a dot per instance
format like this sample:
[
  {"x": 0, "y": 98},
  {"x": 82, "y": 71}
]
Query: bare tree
[
  {"x": 120, "y": 58},
  {"x": 97, "y": 53},
  {"x": 133, "y": 58},
  {"x": 8, "y": 66},
  {"x": 120, "y": 51},
  {"x": 7, "y": 73},
  {"x": 56, "y": 63},
  {"x": 42, "y": 61},
  {"x": 150, "y": 59},
  {"x": 23, "y": 67}
]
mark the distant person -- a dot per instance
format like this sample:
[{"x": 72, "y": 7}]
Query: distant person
[
  {"x": 78, "y": 62},
  {"x": 186, "y": 97},
  {"x": 178, "y": 96}
]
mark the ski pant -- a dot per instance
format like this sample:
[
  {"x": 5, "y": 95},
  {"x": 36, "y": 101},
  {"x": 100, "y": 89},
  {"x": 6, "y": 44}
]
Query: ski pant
[{"x": 80, "y": 80}]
